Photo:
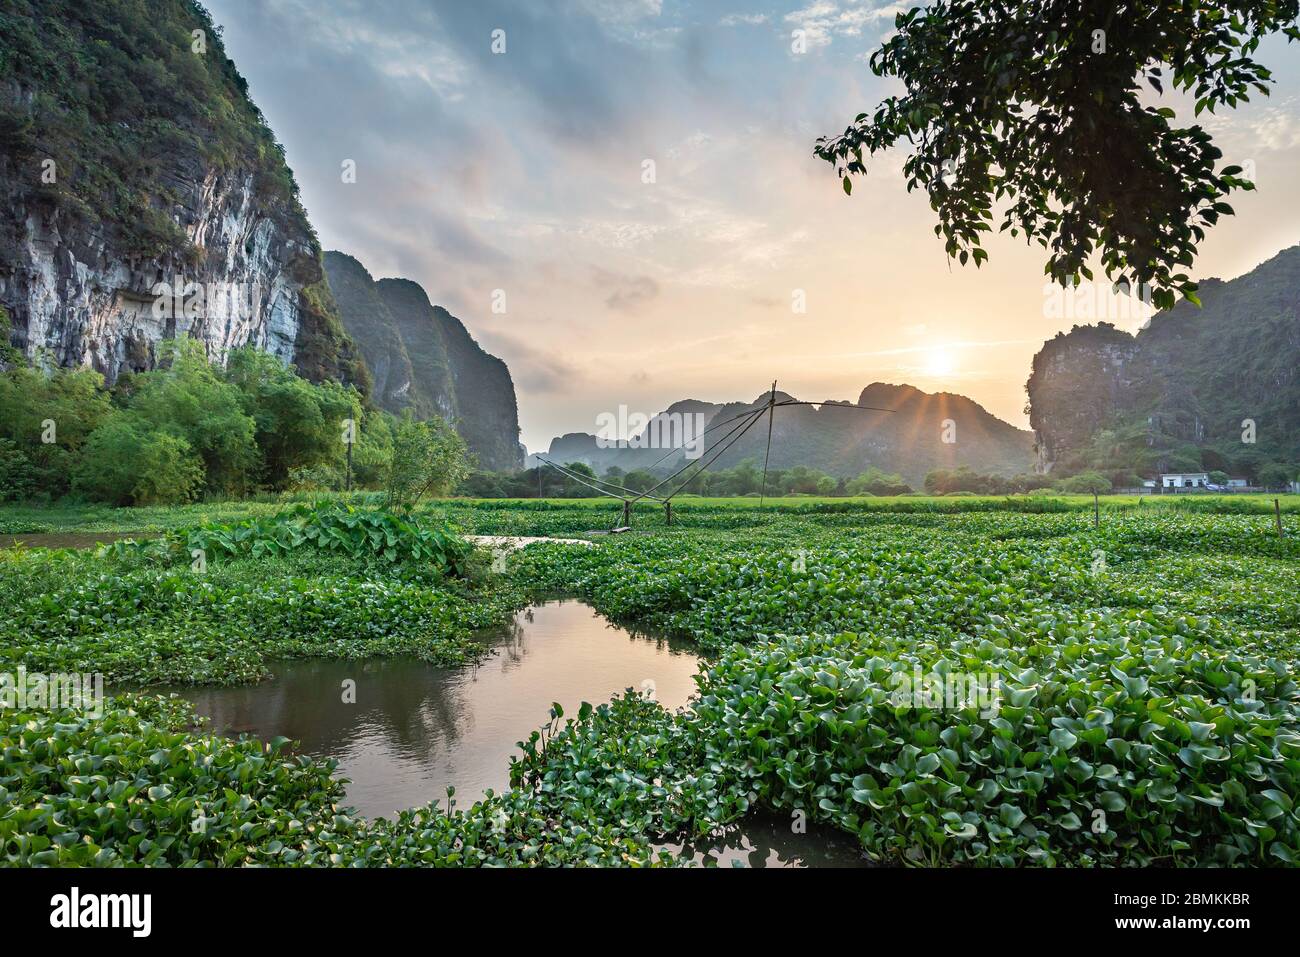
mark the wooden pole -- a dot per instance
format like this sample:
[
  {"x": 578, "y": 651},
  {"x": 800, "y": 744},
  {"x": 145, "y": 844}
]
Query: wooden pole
[
  {"x": 627, "y": 513},
  {"x": 668, "y": 512},
  {"x": 771, "y": 415},
  {"x": 1096, "y": 512},
  {"x": 1277, "y": 516}
]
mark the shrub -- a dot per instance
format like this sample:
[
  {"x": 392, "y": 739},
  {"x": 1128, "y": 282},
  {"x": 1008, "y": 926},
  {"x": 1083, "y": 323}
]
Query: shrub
[
  {"x": 127, "y": 464},
  {"x": 329, "y": 527},
  {"x": 428, "y": 458},
  {"x": 1114, "y": 743},
  {"x": 190, "y": 400},
  {"x": 19, "y": 478},
  {"x": 1085, "y": 483}
]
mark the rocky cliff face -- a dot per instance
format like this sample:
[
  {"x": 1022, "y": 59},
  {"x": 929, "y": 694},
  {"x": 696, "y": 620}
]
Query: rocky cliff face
[
  {"x": 422, "y": 358},
  {"x": 1177, "y": 394},
  {"x": 1078, "y": 382},
  {"x": 245, "y": 277},
  {"x": 367, "y": 319},
  {"x": 129, "y": 215}
]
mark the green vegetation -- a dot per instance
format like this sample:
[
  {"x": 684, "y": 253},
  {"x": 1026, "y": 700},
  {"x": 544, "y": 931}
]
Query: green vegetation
[
  {"x": 360, "y": 534},
  {"x": 191, "y": 429},
  {"x": 213, "y": 603},
  {"x": 1147, "y": 710},
  {"x": 746, "y": 480},
  {"x": 428, "y": 458},
  {"x": 109, "y": 106},
  {"x": 119, "y": 86}
]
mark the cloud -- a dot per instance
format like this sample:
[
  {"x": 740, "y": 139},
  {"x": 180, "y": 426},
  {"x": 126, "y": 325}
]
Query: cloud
[
  {"x": 821, "y": 20},
  {"x": 522, "y": 171},
  {"x": 1278, "y": 128},
  {"x": 628, "y": 293},
  {"x": 538, "y": 371}
]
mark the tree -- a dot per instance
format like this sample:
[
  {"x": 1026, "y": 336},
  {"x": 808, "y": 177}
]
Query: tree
[
  {"x": 19, "y": 477},
  {"x": 1276, "y": 475},
  {"x": 47, "y": 415},
  {"x": 428, "y": 458},
  {"x": 1038, "y": 103},
  {"x": 874, "y": 481},
  {"x": 188, "y": 398},
  {"x": 638, "y": 480},
  {"x": 575, "y": 489},
  {"x": 1085, "y": 483},
  {"x": 481, "y": 484},
  {"x": 963, "y": 479},
  {"x": 299, "y": 424},
  {"x": 128, "y": 463}
]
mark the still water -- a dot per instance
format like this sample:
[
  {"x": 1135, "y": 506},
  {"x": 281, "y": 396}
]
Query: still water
[{"x": 416, "y": 729}]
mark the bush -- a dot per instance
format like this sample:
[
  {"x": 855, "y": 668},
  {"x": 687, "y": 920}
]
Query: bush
[
  {"x": 47, "y": 417},
  {"x": 329, "y": 527},
  {"x": 428, "y": 458},
  {"x": 1276, "y": 475},
  {"x": 1085, "y": 483},
  {"x": 876, "y": 482},
  {"x": 127, "y": 464},
  {"x": 190, "y": 400},
  {"x": 134, "y": 787},
  {"x": 19, "y": 478}
]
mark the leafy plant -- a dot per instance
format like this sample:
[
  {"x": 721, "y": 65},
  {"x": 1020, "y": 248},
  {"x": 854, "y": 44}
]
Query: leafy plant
[
  {"x": 357, "y": 533},
  {"x": 428, "y": 458}
]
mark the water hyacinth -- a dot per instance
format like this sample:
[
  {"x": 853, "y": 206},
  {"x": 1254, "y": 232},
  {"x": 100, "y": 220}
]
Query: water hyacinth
[{"x": 1137, "y": 708}]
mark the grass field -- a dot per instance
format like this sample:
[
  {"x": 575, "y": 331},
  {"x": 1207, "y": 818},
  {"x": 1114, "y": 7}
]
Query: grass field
[
  {"x": 954, "y": 681},
  {"x": 605, "y": 512}
]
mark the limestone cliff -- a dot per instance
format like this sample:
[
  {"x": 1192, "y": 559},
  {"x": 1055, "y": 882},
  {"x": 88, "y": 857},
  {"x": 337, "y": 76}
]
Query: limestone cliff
[
  {"x": 143, "y": 197},
  {"x": 1179, "y": 394},
  {"x": 424, "y": 359}
]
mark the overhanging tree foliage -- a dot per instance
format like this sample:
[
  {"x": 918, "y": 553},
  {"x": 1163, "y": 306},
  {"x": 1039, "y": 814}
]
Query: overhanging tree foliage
[{"x": 1039, "y": 105}]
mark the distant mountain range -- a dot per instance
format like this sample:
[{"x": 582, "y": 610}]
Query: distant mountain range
[
  {"x": 1189, "y": 391},
  {"x": 834, "y": 436}
]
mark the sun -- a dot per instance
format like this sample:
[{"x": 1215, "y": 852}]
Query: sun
[{"x": 940, "y": 362}]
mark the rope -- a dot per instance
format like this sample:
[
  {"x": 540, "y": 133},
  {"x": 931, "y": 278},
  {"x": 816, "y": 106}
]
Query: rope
[
  {"x": 771, "y": 419},
  {"x": 755, "y": 412},
  {"x": 747, "y": 427},
  {"x": 582, "y": 479}
]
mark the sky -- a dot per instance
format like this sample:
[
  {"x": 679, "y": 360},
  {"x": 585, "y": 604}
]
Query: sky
[{"x": 619, "y": 197}]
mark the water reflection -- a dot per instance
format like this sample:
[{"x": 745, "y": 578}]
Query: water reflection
[
  {"x": 769, "y": 840},
  {"x": 415, "y": 729},
  {"x": 403, "y": 731}
]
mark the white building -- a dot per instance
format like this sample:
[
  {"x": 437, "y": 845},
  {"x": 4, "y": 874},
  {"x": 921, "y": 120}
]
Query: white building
[{"x": 1184, "y": 479}]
